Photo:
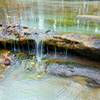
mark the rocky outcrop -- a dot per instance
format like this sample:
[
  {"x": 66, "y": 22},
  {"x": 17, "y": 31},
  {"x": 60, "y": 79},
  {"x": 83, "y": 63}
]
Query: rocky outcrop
[
  {"x": 75, "y": 70},
  {"x": 12, "y": 44},
  {"x": 77, "y": 44},
  {"x": 82, "y": 45}
]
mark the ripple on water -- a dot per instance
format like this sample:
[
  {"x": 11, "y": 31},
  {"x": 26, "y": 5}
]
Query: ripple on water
[{"x": 22, "y": 85}]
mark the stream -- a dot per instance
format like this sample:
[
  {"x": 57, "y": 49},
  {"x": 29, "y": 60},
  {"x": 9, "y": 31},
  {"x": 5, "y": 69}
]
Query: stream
[{"x": 55, "y": 75}]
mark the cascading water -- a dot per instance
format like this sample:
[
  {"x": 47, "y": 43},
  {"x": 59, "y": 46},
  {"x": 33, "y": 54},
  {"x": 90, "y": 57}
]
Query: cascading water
[
  {"x": 38, "y": 50},
  {"x": 14, "y": 21},
  {"x": 38, "y": 37},
  {"x": 21, "y": 83},
  {"x": 55, "y": 52}
]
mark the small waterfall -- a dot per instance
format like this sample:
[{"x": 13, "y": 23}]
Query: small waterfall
[
  {"x": 18, "y": 45},
  {"x": 55, "y": 52},
  {"x": 15, "y": 46},
  {"x": 38, "y": 37},
  {"x": 4, "y": 32},
  {"x": 47, "y": 51},
  {"x": 15, "y": 23},
  {"x": 66, "y": 53},
  {"x": 41, "y": 49},
  {"x": 38, "y": 50},
  {"x": 39, "y": 56}
]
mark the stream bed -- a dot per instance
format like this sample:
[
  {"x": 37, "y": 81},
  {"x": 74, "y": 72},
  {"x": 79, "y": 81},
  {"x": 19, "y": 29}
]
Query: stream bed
[{"x": 22, "y": 84}]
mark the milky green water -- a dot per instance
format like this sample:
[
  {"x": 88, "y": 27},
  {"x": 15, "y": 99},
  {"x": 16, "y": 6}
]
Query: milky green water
[
  {"x": 22, "y": 85},
  {"x": 56, "y": 15}
]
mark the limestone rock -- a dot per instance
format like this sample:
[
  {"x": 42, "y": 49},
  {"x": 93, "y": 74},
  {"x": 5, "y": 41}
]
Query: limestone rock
[{"x": 83, "y": 45}]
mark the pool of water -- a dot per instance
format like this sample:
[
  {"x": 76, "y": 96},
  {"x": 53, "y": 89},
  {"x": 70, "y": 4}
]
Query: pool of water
[
  {"x": 59, "y": 16},
  {"x": 21, "y": 84}
]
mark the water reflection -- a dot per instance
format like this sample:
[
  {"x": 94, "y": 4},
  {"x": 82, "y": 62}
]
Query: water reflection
[{"x": 50, "y": 14}]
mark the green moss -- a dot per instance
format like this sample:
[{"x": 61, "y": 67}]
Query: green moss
[
  {"x": 50, "y": 61},
  {"x": 21, "y": 56},
  {"x": 63, "y": 22},
  {"x": 2, "y": 68}
]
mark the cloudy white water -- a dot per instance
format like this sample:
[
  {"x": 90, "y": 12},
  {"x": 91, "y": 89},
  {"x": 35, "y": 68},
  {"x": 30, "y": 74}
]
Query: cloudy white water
[{"x": 22, "y": 85}]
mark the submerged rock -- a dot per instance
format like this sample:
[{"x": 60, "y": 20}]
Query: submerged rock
[
  {"x": 48, "y": 31},
  {"x": 75, "y": 70}
]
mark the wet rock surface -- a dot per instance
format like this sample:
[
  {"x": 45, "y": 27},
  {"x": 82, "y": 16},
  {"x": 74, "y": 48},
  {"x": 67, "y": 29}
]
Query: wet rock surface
[
  {"x": 82, "y": 45},
  {"x": 78, "y": 44},
  {"x": 75, "y": 70}
]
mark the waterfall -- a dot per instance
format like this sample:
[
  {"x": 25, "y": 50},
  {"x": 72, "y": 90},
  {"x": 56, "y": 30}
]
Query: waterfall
[
  {"x": 39, "y": 56},
  {"x": 38, "y": 50},
  {"x": 38, "y": 36},
  {"x": 15, "y": 22},
  {"x": 38, "y": 41},
  {"x": 66, "y": 54},
  {"x": 47, "y": 51},
  {"x": 55, "y": 52},
  {"x": 41, "y": 49},
  {"x": 15, "y": 45}
]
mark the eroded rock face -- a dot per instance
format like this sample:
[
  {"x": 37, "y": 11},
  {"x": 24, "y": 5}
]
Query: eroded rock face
[
  {"x": 17, "y": 44},
  {"x": 75, "y": 70},
  {"x": 78, "y": 44},
  {"x": 83, "y": 45}
]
